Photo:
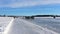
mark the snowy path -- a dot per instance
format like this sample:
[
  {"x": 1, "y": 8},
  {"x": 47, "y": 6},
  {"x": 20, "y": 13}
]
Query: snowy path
[{"x": 20, "y": 26}]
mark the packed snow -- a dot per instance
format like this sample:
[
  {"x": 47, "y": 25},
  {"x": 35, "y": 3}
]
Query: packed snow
[{"x": 23, "y": 26}]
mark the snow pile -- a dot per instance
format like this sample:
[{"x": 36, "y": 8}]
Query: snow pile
[
  {"x": 4, "y": 21},
  {"x": 20, "y": 26}
]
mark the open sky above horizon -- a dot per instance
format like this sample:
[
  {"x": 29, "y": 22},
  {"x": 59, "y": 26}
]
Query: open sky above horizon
[{"x": 29, "y": 7}]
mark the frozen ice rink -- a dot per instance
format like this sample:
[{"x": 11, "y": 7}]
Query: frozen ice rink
[{"x": 9, "y": 25}]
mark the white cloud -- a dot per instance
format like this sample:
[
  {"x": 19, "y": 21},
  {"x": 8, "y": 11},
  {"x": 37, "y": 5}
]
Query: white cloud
[{"x": 24, "y": 3}]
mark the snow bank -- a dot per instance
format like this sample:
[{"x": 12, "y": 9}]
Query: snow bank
[{"x": 4, "y": 21}]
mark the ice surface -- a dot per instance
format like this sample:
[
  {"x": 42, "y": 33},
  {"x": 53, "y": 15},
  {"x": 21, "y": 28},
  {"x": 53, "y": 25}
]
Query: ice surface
[
  {"x": 49, "y": 23},
  {"x": 20, "y": 26},
  {"x": 9, "y": 25}
]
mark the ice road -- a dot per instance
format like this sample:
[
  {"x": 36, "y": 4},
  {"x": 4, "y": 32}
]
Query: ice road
[{"x": 21, "y": 26}]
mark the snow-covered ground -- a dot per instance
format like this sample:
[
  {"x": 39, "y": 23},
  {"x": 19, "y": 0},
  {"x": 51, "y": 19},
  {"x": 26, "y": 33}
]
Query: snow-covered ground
[
  {"x": 4, "y": 21},
  {"x": 20, "y": 26},
  {"x": 36, "y": 26}
]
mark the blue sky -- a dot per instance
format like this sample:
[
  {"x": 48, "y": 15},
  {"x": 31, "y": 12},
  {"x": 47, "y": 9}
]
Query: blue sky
[{"x": 29, "y": 7}]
